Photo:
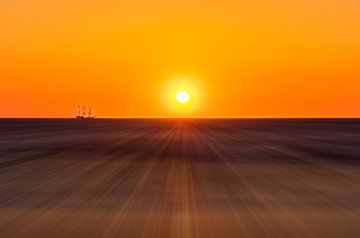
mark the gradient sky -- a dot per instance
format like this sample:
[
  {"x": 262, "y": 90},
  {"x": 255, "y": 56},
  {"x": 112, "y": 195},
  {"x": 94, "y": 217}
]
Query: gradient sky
[{"x": 258, "y": 58}]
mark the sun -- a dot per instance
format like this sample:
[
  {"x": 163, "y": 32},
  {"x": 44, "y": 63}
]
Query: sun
[{"x": 182, "y": 96}]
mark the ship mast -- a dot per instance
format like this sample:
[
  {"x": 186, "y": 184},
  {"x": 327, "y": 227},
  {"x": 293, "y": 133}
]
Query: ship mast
[{"x": 83, "y": 111}]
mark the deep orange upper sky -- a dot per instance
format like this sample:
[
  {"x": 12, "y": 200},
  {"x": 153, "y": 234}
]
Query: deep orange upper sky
[{"x": 258, "y": 58}]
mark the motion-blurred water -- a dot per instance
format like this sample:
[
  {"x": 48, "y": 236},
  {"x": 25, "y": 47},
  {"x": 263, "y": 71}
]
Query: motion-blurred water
[{"x": 179, "y": 178}]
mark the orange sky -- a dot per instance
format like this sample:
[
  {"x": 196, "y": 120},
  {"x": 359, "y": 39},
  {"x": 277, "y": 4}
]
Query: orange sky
[{"x": 258, "y": 58}]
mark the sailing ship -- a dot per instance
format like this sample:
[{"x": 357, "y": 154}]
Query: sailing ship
[{"x": 85, "y": 113}]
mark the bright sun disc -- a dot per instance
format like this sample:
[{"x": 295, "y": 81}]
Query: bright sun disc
[{"x": 182, "y": 97}]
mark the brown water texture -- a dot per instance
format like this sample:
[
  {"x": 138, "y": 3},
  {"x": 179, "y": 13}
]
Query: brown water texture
[{"x": 179, "y": 178}]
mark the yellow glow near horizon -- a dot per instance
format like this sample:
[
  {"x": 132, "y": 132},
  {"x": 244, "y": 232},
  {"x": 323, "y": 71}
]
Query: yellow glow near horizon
[{"x": 182, "y": 97}]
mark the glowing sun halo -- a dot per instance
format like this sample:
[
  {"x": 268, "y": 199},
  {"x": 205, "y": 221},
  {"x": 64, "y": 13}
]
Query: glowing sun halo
[{"x": 182, "y": 97}]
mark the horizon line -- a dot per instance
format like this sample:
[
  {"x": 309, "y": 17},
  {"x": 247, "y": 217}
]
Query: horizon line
[{"x": 186, "y": 117}]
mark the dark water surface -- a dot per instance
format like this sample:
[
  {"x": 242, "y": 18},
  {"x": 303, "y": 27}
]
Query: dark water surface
[{"x": 180, "y": 178}]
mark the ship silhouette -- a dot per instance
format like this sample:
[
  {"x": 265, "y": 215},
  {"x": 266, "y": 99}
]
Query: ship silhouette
[{"x": 85, "y": 113}]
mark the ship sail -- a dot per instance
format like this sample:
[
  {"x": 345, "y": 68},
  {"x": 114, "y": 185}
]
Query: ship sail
[{"x": 84, "y": 112}]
